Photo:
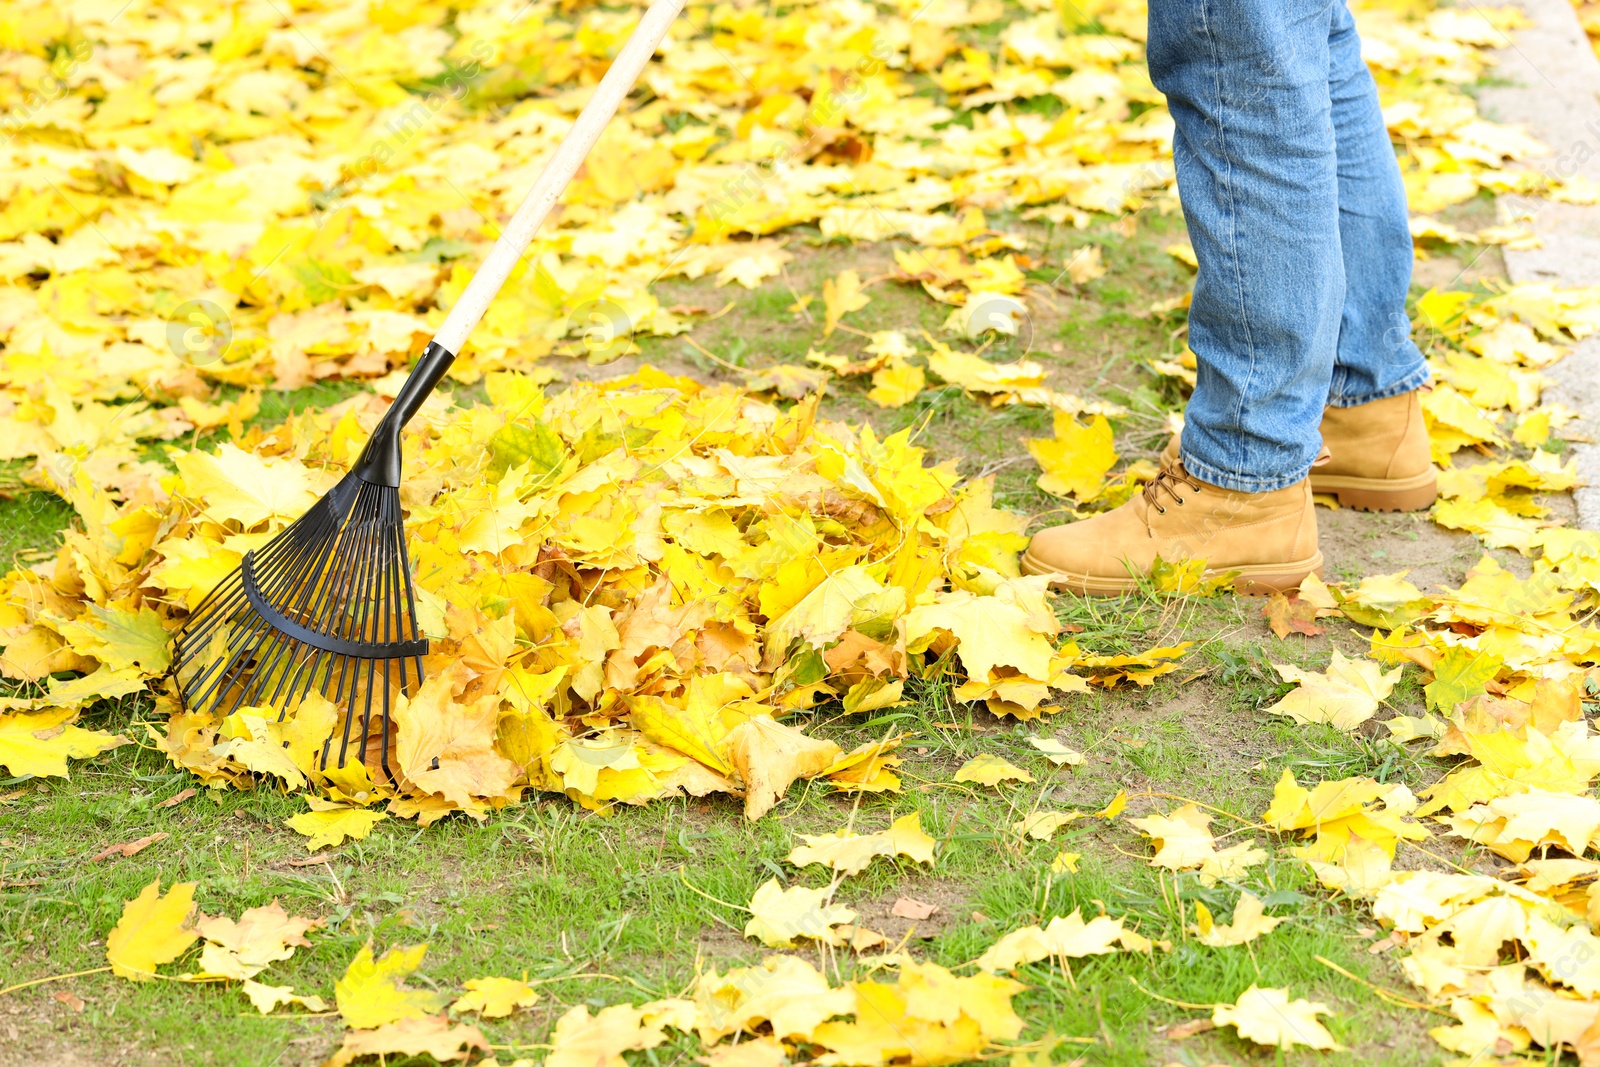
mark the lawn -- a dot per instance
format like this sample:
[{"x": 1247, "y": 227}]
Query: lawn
[{"x": 331, "y": 283}]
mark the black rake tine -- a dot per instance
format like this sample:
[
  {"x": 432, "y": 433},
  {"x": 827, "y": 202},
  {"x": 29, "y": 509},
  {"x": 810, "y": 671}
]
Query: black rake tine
[{"x": 319, "y": 608}]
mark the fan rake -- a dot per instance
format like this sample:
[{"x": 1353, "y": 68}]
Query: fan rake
[{"x": 327, "y": 606}]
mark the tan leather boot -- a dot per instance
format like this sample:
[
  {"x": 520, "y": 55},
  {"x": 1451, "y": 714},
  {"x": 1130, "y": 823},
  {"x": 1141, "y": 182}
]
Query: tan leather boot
[
  {"x": 1269, "y": 538},
  {"x": 1380, "y": 456}
]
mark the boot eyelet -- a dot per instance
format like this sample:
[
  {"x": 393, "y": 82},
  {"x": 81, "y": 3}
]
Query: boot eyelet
[
  {"x": 1180, "y": 501},
  {"x": 1160, "y": 510}
]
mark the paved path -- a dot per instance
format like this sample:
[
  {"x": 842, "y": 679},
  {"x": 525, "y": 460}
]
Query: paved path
[{"x": 1555, "y": 94}]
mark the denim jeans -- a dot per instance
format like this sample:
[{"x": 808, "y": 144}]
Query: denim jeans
[{"x": 1297, "y": 215}]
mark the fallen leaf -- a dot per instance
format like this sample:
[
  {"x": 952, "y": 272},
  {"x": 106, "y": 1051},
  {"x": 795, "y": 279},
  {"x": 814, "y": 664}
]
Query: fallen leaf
[
  {"x": 424, "y": 1036},
  {"x": 1184, "y": 1031},
  {"x": 1250, "y": 921},
  {"x": 986, "y": 769},
  {"x": 1268, "y": 1017},
  {"x": 911, "y": 908},
  {"x": 1056, "y": 752},
  {"x": 261, "y": 936},
  {"x": 1076, "y": 460},
  {"x": 494, "y": 998},
  {"x": 127, "y": 848},
  {"x": 332, "y": 824},
  {"x": 1290, "y": 614},
  {"x": 40, "y": 742},
  {"x": 778, "y": 917},
  {"x": 268, "y": 998},
  {"x": 1345, "y": 696},
  {"x": 1042, "y": 825},
  {"x": 850, "y": 853},
  {"x": 1065, "y": 863},
  {"x": 153, "y": 930},
  {"x": 372, "y": 992},
  {"x": 840, "y": 296},
  {"x": 582, "y": 1040}
]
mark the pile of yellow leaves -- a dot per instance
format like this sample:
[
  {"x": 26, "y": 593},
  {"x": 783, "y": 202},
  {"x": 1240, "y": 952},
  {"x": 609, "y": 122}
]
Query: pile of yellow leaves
[{"x": 626, "y": 587}]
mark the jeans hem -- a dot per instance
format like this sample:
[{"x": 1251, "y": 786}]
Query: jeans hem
[
  {"x": 1409, "y": 384},
  {"x": 1236, "y": 482}
]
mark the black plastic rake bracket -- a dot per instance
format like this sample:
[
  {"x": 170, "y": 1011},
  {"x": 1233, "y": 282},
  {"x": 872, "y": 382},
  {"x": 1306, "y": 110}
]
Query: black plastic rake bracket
[{"x": 338, "y": 646}]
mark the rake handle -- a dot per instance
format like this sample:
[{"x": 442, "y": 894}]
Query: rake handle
[
  {"x": 379, "y": 463},
  {"x": 557, "y": 174}
]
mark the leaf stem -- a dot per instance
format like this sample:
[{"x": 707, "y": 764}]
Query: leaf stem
[{"x": 51, "y": 978}]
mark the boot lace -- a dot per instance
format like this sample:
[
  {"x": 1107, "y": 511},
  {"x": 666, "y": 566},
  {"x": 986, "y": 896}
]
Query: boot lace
[{"x": 1168, "y": 480}]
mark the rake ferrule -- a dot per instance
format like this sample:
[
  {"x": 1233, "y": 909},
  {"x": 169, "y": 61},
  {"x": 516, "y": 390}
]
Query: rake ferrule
[{"x": 379, "y": 463}]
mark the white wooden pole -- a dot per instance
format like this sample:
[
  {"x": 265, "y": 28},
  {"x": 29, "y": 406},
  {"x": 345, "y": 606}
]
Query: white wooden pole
[{"x": 553, "y": 181}]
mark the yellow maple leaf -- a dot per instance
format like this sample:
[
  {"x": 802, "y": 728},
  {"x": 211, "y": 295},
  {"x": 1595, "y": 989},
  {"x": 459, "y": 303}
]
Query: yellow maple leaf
[
  {"x": 1269, "y": 1017},
  {"x": 1344, "y": 696},
  {"x": 1250, "y": 921},
  {"x": 238, "y": 486},
  {"x": 932, "y": 994},
  {"x": 884, "y": 1030},
  {"x": 1042, "y": 825},
  {"x": 1056, "y": 752},
  {"x": 40, "y": 742},
  {"x": 494, "y": 998},
  {"x": 989, "y": 769},
  {"x": 1183, "y": 841},
  {"x": 329, "y": 823},
  {"x": 260, "y": 937},
  {"x": 768, "y": 755},
  {"x": 268, "y": 998},
  {"x": 992, "y": 632},
  {"x": 430, "y": 1035},
  {"x": 446, "y": 745},
  {"x": 372, "y": 992},
  {"x": 840, "y": 296},
  {"x": 779, "y": 916},
  {"x": 786, "y": 991},
  {"x": 850, "y": 853},
  {"x": 582, "y": 1040},
  {"x": 1068, "y": 937},
  {"x": 1076, "y": 460},
  {"x": 153, "y": 930},
  {"x": 896, "y": 384}
]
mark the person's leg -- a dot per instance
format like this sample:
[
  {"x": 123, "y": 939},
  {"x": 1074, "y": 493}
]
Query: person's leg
[
  {"x": 1376, "y": 357},
  {"x": 1373, "y": 426},
  {"x": 1247, "y": 83}
]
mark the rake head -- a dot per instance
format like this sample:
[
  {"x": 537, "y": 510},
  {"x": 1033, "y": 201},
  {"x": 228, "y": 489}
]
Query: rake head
[{"x": 327, "y": 606}]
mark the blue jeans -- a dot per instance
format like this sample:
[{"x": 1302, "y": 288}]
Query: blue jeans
[{"x": 1295, "y": 207}]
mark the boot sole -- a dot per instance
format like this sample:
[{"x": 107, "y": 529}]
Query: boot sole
[
  {"x": 1258, "y": 580},
  {"x": 1379, "y": 494}
]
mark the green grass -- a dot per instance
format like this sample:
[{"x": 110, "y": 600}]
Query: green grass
[{"x": 552, "y": 891}]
